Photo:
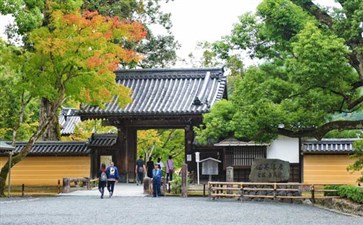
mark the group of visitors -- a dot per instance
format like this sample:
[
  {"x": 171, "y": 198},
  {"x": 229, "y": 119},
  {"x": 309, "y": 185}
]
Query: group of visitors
[
  {"x": 155, "y": 172},
  {"x": 107, "y": 177}
]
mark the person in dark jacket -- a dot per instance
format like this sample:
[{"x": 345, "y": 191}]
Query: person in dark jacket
[
  {"x": 112, "y": 177},
  {"x": 102, "y": 179},
  {"x": 156, "y": 181},
  {"x": 140, "y": 171},
  {"x": 150, "y": 167}
]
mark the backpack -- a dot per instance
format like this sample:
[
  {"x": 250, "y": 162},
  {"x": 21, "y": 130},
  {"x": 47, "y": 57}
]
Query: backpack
[
  {"x": 141, "y": 169},
  {"x": 103, "y": 176}
]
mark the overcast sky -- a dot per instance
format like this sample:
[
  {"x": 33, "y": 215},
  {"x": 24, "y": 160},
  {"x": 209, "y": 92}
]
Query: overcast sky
[{"x": 204, "y": 20}]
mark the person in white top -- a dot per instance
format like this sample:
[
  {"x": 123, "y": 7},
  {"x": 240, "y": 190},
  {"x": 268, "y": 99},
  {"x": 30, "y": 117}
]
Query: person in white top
[{"x": 160, "y": 163}]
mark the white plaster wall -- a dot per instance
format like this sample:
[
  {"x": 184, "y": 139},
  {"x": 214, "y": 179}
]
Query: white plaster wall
[{"x": 284, "y": 148}]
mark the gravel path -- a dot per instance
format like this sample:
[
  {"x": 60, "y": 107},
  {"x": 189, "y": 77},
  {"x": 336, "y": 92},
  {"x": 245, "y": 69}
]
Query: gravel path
[{"x": 79, "y": 210}]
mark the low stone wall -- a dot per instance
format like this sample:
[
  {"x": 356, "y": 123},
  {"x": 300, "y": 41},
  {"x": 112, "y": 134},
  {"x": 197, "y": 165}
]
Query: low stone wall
[
  {"x": 268, "y": 191},
  {"x": 342, "y": 205}
]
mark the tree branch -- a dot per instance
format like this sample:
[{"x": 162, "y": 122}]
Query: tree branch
[
  {"x": 355, "y": 103},
  {"x": 319, "y": 132},
  {"x": 314, "y": 10}
]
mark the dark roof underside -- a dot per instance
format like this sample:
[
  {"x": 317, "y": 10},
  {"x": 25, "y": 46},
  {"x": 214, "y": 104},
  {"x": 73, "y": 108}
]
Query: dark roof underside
[{"x": 169, "y": 92}]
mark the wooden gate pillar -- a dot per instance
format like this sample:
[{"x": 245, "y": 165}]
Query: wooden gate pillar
[{"x": 126, "y": 158}]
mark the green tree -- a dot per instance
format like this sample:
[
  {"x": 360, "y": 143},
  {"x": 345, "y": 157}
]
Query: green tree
[
  {"x": 358, "y": 154},
  {"x": 74, "y": 57},
  {"x": 312, "y": 70},
  {"x": 157, "y": 50},
  {"x": 18, "y": 109},
  {"x": 162, "y": 143},
  {"x": 84, "y": 130}
]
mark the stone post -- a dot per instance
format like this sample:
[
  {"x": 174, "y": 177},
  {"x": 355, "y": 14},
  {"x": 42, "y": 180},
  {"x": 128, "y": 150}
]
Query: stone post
[
  {"x": 66, "y": 185},
  {"x": 229, "y": 174},
  {"x": 147, "y": 185},
  {"x": 229, "y": 177},
  {"x": 184, "y": 184}
]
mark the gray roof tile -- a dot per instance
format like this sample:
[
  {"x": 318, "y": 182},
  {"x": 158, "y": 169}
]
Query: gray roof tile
[
  {"x": 68, "y": 121},
  {"x": 328, "y": 146},
  {"x": 55, "y": 148},
  {"x": 165, "y": 92},
  {"x": 102, "y": 140}
]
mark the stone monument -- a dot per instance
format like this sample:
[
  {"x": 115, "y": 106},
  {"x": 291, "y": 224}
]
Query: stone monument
[{"x": 270, "y": 170}]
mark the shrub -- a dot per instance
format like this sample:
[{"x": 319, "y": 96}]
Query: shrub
[
  {"x": 353, "y": 193},
  {"x": 176, "y": 185},
  {"x": 331, "y": 187}
]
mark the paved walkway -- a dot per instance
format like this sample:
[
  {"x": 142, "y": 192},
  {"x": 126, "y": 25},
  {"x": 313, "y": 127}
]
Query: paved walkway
[
  {"x": 121, "y": 190},
  {"x": 129, "y": 206}
]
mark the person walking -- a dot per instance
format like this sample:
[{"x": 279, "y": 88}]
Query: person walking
[
  {"x": 102, "y": 179},
  {"x": 169, "y": 169},
  {"x": 140, "y": 171},
  {"x": 160, "y": 163},
  {"x": 156, "y": 180},
  {"x": 150, "y": 167},
  {"x": 112, "y": 177}
]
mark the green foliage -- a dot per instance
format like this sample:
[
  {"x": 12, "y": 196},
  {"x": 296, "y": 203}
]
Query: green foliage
[
  {"x": 219, "y": 123},
  {"x": 344, "y": 134},
  {"x": 29, "y": 14},
  {"x": 353, "y": 193},
  {"x": 176, "y": 184},
  {"x": 311, "y": 72},
  {"x": 18, "y": 109},
  {"x": 358, "y": 154},
  {"x": 85, "y": 129},
  {"x": 162, "y": 143},
  {"x": 331, "y": 187}
]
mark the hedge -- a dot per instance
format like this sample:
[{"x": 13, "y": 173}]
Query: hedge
[{"x": 353, "y": 193}]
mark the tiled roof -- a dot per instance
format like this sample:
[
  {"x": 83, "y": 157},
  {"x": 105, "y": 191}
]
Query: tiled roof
[
  {"x": 102, "y": 140},
  {"x": 165, "y": 92},
  {"x": 68, "y": 121},
  {"x": 234, "y": 142},
  {"x": 55, "y": 148},
  {"x": 328, "y": 146}
]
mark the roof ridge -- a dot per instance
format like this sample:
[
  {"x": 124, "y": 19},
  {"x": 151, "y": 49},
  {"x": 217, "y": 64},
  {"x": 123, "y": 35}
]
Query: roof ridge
[
  {"x": 168, "y": 74},
  {"x": 51, "y": 142}
]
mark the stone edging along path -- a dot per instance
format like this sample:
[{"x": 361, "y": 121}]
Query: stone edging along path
[{"x": 342, "y": 205}]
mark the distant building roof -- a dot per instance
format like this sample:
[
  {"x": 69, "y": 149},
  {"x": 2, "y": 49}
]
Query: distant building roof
[
  {"x": 328, "y": 146},
  {"x": 170, "y": 92},
  {"x": 55, "y": 148},
  {"x": 234, "y": 142},
  {"x": 68, "y": 121},
  {"x": 210, "y": 159},
  {"x": 4, "y": 147},
  {"x": 102, "y": 140}
]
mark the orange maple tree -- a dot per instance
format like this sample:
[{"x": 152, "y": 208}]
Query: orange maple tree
[{"x": 74, "y": 57}]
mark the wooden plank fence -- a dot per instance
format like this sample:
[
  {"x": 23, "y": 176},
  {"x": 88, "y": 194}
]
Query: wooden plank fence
[{"x": 241, "y": 190}]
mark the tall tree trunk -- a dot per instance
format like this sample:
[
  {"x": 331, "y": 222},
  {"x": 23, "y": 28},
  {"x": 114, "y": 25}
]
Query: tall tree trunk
[
  {"x": 52, "y": 132},
  {"x": 24, "y": 152},
  {"x": 44, "y": 124}
]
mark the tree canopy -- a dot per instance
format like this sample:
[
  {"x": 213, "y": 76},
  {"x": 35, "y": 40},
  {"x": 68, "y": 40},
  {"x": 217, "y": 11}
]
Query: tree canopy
[
  {"x": 311, "y": 71},
  {"x": 157, "y": 50},
  {"x": 73, "y": 57}
]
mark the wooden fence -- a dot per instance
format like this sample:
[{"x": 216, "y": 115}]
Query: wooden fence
[{"x": 241, "y": 190}]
